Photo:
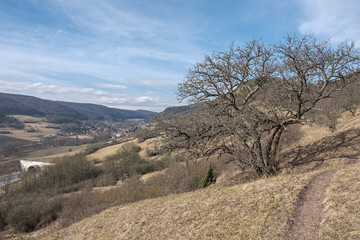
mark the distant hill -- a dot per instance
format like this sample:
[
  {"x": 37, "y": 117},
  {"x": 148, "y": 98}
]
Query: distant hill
[
  {"x": 175, "y": 110},
  {"x": 179, "y": 110},
  {"x": 33, "y": 106}
]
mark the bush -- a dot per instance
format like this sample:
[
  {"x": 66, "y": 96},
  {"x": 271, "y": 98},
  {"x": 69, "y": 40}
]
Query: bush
[
  {"x": 6, "y": 121},
  {"x": 208, "y": 179},
  {"x": 33, "y": 213},
  {"x": 105, "y": 179},
  {"x": 127, "y": 162},
  {"x": 64, "y": 174},
  {"x": 179, "y": 177},
  {"x": 86, "y": 204},
  {"x": 144, "y": 133}
]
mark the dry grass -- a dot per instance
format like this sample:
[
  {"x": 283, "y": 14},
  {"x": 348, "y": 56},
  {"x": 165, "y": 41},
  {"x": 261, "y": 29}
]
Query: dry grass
[
  {"x": 37, "y": 124},
  {"x": 55, "y": 151},
  {"x": 23, "y": 134},
  {"x": 148, "y": 144},
  {"x": 49, "y": 155},
  {"x": 25, "y": 118},
  {"x": 101, "y": 154},
  {"x": 320, "y": 148},
  {"x": 315, "y": 132},
  {"x": 257, "y": 210},
  {"x": 343, "y": 206}
]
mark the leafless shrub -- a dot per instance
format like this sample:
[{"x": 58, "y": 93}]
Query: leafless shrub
[
  {"x": 330, "y": 112},
  {"x": 184, "y": 176},
  {"x": 127, "y": 162},
  {"x": 105, "y": 179},
  {"x": 349, "y": 99},
  {"x": 35, "y": 212},
  {"x": 143, "y": 134},
  {"x": 66, "y": 175}
]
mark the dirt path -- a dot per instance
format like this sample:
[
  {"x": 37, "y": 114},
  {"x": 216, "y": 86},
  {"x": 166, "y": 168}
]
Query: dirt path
[{"x": 309, "y": 212}]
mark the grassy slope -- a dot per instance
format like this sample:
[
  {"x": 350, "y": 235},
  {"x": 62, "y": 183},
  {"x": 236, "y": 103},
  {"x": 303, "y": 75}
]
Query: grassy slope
[
  {"x": 37, "y": 124},
  {"x": 256, "y": 210},
  {"x": 343, "y": 205},
  {"x": 49, "y": 155},
  {"x": 315, "y": 132},
  {"x": 102, "y": 153}
]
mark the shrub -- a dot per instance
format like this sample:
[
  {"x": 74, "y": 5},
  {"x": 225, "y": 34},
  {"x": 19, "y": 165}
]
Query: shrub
[
  {"x": 33, "y": 213},
  {"x": 179, "y": 177},
  {"x": 208, "y": 179},
  {"x": 64, "y": 174},
  {"x": 126, "y": 162},
  {"x": 144, "y": 133},
  {"x": 105, "y": 179}
]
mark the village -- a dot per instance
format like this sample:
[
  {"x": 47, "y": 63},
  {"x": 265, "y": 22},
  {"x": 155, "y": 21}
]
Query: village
[{"x": 113, "y": 134}]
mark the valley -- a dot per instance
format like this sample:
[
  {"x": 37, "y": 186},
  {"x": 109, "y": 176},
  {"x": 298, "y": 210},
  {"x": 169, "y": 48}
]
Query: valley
[{"x": 249, "y": 209}]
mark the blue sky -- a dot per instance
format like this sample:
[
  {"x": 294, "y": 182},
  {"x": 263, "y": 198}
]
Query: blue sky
[{"x": 131, "y": 54}]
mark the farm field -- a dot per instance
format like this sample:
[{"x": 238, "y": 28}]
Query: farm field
[
  {"x": 53, "y": 153},
  {"x": 35, "y": 128},
  {"x": 102, "y": 153}
]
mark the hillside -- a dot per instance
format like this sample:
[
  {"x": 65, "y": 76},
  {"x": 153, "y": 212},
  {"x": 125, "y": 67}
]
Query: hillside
[
  {"x": 246, "y": 211},
  {"x": 317, "y": 176},
  {"x": 13, "y": 104},
  {"x": 168, "y": 112},
  {"x": 261, "y": 209}
]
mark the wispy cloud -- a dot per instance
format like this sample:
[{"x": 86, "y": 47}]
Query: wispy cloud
[
  {"x": 332, "y": 18},
  {"x": 143, "y": 99},
  {"x": 111, "y": 86},
  {"x": 150, "y": 83},
  {"x": 119, "y": 53},
  {"x": 105, "y": 18},
  {"x": 112, "y": 100},
  {"x": 43, "y": 88}
]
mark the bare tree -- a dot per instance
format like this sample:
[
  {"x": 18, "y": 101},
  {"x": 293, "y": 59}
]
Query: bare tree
[
  {"x": 350, "y": 99},
  {"x": 250, "y": 94},
  {"x": 330, "y": 111}
]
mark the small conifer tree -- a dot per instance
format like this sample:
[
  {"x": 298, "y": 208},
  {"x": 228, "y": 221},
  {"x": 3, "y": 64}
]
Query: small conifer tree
[{"x": 208, "y": 179}]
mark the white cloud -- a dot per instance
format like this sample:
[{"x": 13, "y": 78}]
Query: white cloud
[
  {"x": 41, "y": 88},
  {"x": 150, "y": 83},
  {"x": 112, "y": 86},
  {"x": 150, "y": 92},
  {"x": 105, "y": 18},
  {"x": 145, "y": 99},
  {"x": 336, "y": 19},
  {"x": 113, "y": 100}
]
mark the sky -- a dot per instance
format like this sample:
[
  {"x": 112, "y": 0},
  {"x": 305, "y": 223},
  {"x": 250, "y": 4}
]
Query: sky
[{"x": 131, "y": 54}]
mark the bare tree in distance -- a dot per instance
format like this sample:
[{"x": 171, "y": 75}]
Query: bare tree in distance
[
  {"x": 250, "y": 94},
  {"x": 350, "y": 99}
]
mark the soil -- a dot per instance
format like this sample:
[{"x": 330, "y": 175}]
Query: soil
[{"x": 309, "y": 212}]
